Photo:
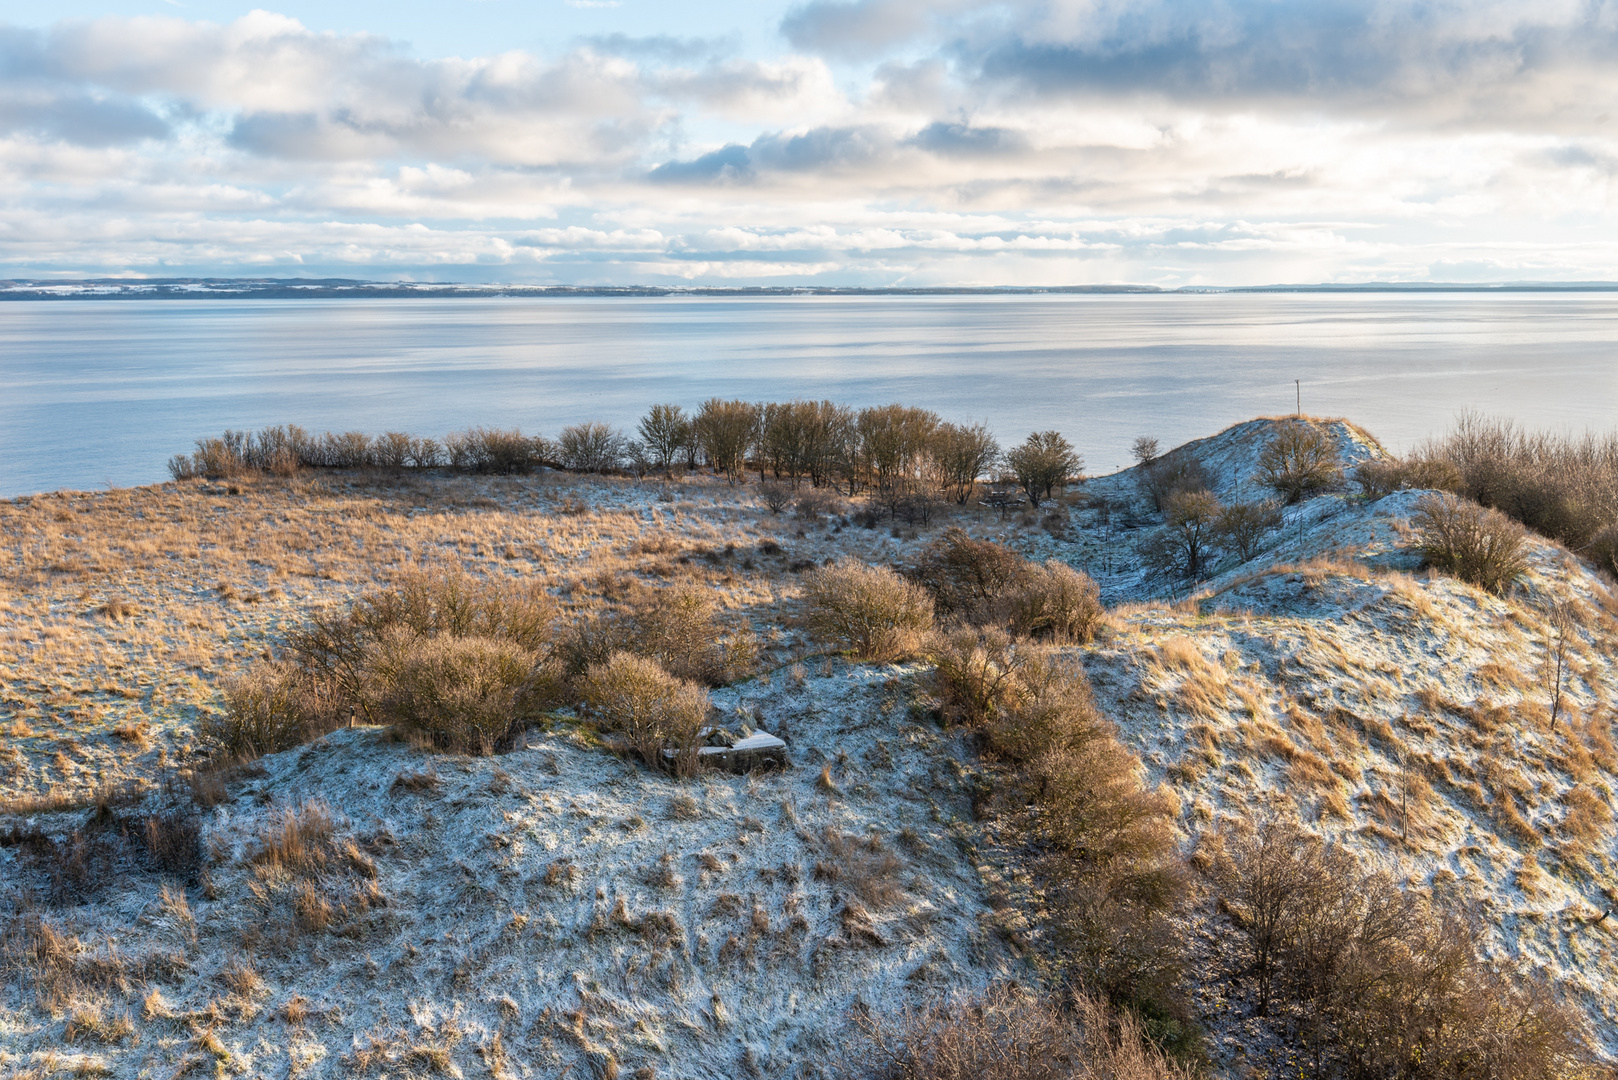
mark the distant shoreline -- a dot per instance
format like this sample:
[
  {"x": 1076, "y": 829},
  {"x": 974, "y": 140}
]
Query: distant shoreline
[{"x": 340, "y": 288}]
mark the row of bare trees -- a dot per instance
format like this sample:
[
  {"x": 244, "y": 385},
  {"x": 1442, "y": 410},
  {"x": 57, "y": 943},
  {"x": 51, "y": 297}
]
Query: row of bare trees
[
  {"x": 892, "y": 451},
  {"x": 887, "y": 449}
]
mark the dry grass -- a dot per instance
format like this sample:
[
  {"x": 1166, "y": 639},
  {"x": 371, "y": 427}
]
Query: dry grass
[
  {"x": 1006, "y": 1033},
  {"x": 125, "y": 610},
  {"x": 1199, "y": 684}
]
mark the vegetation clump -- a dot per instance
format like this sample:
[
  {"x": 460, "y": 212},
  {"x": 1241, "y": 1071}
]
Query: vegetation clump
[
  {"x": 1467, "y": 541},
  {"x": 872, "y": 611},
  {"x": 658, "y": 716},
  {"x": 982, "y": 583},
  {"x": 1300, "y": 460},
  {"x": 1378, "y": 980},
  {"x": 455, "y": 660}
]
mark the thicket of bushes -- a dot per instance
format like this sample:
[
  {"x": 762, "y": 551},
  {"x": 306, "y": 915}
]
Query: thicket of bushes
[
  {"x": 1101, "y": 844},
  {"x": 1563, "y": 487},
  {"x": 898, "y": 453},
  {"x": 984, "y": 584},
  {"x": 1299, "y": 460},
  {"x": 465, "y": 664},
  {"x": 1376, "y": 980}
]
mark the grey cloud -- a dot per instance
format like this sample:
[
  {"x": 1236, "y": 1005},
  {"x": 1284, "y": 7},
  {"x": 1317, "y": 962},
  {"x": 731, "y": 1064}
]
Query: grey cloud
[
  {"x": 1396, "y": 59},
  {"x": 964, "y": 140},
  {"x": 82, "y": 120},
  {"x": 1578, "y": 156},
  {"x": 827, "y": 149},
  {"x": 728, "y": 164}
]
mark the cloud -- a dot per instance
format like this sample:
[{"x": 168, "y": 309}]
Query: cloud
[
  {"x": 1488, "y": 62},
  {"x": 81, "y": 119},
  {"x": 1015, "y": 141}
]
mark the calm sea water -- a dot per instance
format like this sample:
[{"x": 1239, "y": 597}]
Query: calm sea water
[{"x": 102, "y": 393}]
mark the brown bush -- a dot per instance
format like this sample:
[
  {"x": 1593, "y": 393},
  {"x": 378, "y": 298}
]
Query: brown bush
[
  {"x": 985, "y": 583},
  {"x": 465, "y": 694},
  {"x": 652, "y": 710},
  {"x": 461, "y": 661},
  {"x": 273, "y": 707},
  {"x": 1185, "y": 544},
  {"x": 1112, "y": 870},
  {"x": 1563, "y": 487},
  {"x": 1005, "y": 1033},
  {"x": 869, "y": 610},
  {"x": 1299, "y": 461},
  {"x": 1164, "y": 477},
  {"x": 1241, "y": 527},
  {"x": 1465, "y": 540},
  {"x": 680, "y": 628},
  {"x": 445, "y": 601},
  {"x": 966, "y": 577},
  {"x": 1382, "y": 982},
  {"x": 976, "y": 675},
  {"x": 1380, "y": 477},
  {"x": 1055, "y": 601}
]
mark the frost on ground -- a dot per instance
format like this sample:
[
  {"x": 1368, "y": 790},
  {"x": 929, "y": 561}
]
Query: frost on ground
[
  {"x": 557, "y": 908},
  {"x": 1406, "y": 715},
  {"x": 549, "y": 908}
]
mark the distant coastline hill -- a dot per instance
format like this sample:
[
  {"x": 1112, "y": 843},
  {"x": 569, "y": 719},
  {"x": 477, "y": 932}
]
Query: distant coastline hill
[{"x": 348, "y": 288}]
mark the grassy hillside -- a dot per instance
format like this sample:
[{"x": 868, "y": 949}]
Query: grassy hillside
[{"x": 366, "y": 904}]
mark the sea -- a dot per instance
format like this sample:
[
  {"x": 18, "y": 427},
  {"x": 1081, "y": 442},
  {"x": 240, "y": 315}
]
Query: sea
[{"x": 96, "y": 394}]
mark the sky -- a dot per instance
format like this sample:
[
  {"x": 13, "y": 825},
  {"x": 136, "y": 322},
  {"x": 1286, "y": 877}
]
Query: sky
[{"x": 833, "y": 142}]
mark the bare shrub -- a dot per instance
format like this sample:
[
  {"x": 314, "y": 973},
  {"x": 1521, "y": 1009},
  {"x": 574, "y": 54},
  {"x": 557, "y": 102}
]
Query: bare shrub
[
  {"x": 1171, "y": 474},
  {"x": 775, "y": 497},
  {"x": 986, "y": 583},
  {"x": 1241, "y": 527},
  {"x": 1299, "y": 461},
  {"x": 1465, "y": 540},
  {"x": 869, "y": 610},
  {"x": 591, "y": 447},
  {"x": 1006, "y": 1033},
  {"x": 680, "y": 629},
  {"x": 1380, "y": 477},
  {"x": 652, "y": 710},
  {"x": 393, "y": 449},
  {"x": 977, "y": 675},
  {"x": 1112, "y": 871},
  {"x": 1182, "y": 548},
  {"x": 967, "y": 577},
  {"x": 271, "y": 708},
  {"x": 435, "y": 602},
  {"x": 813, "y": 505},
  {"x": 1381, "y": 981},
  {"x": 1563, "y": 487},
  {"x": 460, "y": 661},
  {"x": 1056, "y": 601}
]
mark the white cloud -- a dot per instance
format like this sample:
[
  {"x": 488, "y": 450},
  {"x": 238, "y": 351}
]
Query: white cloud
[{"x": 1024, "y": 141}]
